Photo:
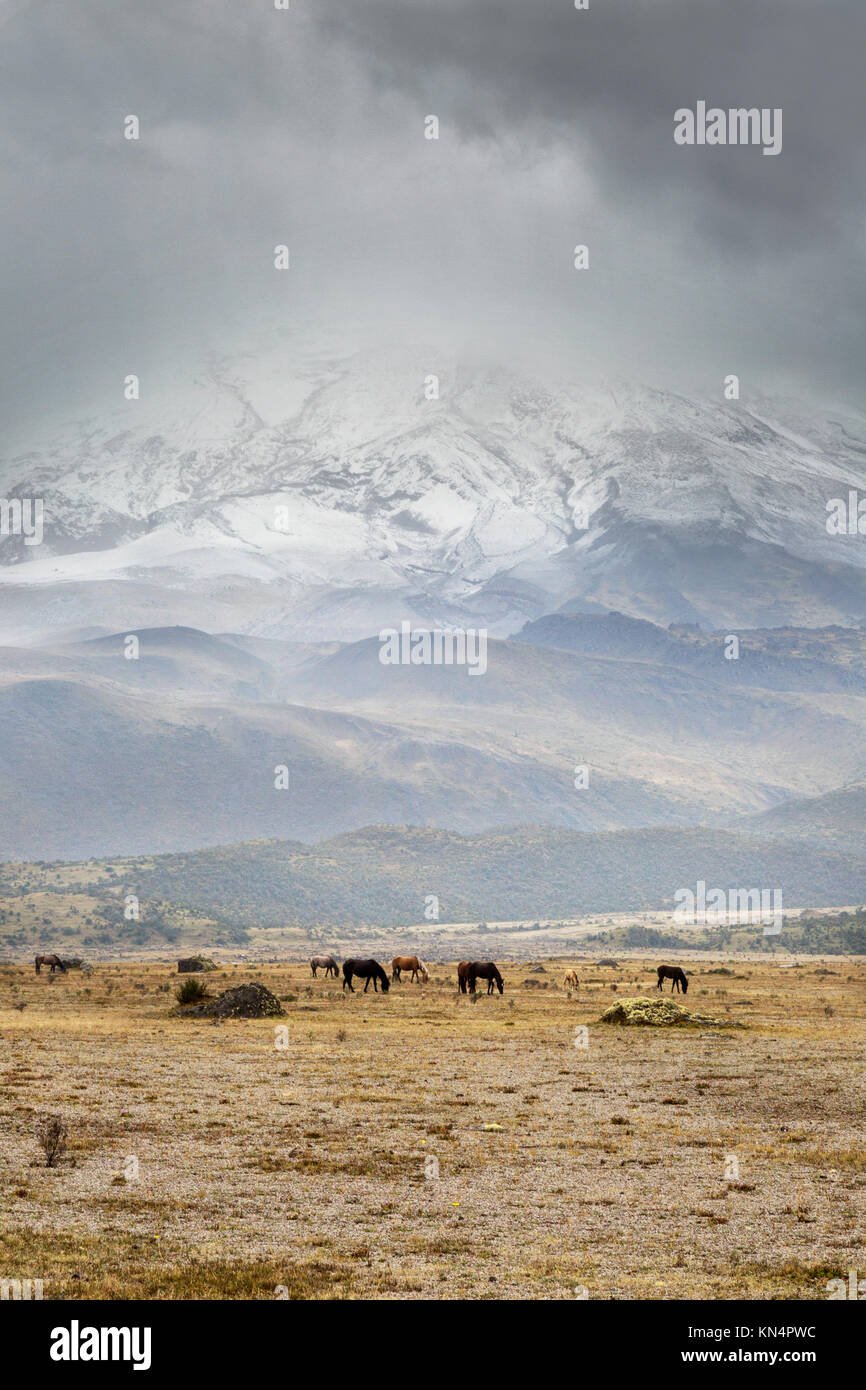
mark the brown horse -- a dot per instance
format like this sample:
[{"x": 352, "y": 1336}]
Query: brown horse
[
  {"x": 366, "y": 969},
  {"x": 54, "y": 961},
  {"x": 326, "y": 963},
  {"x": 571, "y": 981},
  {"x": 468, "y": 971},
  {"x": 413, "y": 963},
  {"x": 676, "y": 975}
]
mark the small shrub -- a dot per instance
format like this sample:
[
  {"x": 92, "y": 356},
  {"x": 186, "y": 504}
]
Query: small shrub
[
  {"x": 52, "y": 1133},
  {"x": 191, "y": 991}
]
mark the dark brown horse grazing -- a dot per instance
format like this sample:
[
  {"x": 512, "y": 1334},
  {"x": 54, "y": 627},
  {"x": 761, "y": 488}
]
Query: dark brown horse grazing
[
  {"x": 365, "y": 969},
  {"x": 413, "y": 963},
  {"x": 54, "y": 961},
  {"x": 676, "y": 975},
  {"x": 326, "y": 963},
  {"x": 468, "y": 971}
]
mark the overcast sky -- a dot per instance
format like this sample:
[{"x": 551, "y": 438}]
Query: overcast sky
[{"x": 556, "y": 127}]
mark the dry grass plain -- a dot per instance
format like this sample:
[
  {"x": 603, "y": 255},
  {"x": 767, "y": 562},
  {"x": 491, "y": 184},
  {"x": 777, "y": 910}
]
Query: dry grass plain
[{"x": 302, "y": 1169}]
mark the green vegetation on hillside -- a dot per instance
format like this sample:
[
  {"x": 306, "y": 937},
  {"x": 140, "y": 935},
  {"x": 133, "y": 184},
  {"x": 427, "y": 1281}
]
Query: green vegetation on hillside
[
  {"x": 811, "y": 933},
  {"x": 385, "y": 876}
]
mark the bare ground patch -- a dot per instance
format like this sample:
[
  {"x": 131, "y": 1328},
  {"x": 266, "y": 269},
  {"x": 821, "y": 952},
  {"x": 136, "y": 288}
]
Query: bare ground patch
[{"x": 421, "y": 1145}]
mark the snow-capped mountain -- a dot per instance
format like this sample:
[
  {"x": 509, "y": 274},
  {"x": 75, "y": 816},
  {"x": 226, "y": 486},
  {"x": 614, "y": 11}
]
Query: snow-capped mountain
[{"x": 325, "y": 497}]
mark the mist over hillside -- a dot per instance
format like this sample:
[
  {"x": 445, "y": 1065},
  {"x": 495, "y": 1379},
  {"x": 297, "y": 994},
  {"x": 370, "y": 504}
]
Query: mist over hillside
[
  {"x": 589, "y": 722},
  {"x": 193, "y": 658}
]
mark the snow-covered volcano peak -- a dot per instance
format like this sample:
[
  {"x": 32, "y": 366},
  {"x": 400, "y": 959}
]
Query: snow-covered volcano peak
[{"x": 325, "y": 495}]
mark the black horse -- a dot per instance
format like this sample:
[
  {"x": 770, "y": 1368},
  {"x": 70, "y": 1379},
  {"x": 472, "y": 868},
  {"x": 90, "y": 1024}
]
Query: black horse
[
  {"x": 676, "y": 975},
  {"x": 469, "y": 971},
  {"x": 365, "y": 969}
]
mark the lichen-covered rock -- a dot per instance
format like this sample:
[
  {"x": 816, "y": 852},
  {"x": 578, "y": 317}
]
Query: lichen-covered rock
[
  {"x": 189, "y": 964},
  {"x": 659, "y": 1013},
  {"x": 252, "y": 1000}
]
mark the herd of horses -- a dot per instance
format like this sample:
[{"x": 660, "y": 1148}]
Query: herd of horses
[
  {"x": 468, "y": 973},
  {"x": 371, "y": 970}
]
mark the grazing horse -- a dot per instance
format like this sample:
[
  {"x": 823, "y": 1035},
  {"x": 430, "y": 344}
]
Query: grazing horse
[
  {"x": 365, "y": 969},
  {"x": 413, "y": 963},
  {"x": 676, "y": 975},
  {"x": 326, "y": 963},
  {"x": 54, "y": 961},
  {"x": 468, "y": 972},
  {"x": 571, "y": 981}
]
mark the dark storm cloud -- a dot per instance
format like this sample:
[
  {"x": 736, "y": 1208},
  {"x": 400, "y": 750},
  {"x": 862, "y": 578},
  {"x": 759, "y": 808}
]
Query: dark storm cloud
[
  {"x": 260, "y": 126},
  {"x": 612, "y": 78}
]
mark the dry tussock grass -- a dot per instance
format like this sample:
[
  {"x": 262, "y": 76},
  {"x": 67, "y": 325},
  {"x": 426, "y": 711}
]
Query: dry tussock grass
[{"x": 304, "y": 1169}]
